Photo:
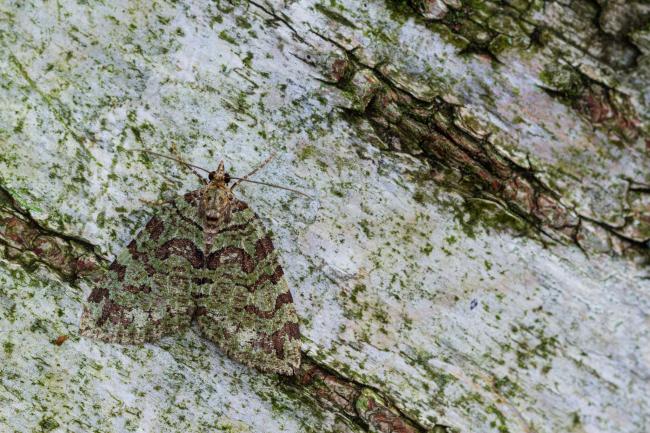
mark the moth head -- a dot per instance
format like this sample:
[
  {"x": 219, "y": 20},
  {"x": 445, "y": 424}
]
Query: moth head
[
  {"x": 219, "y": 175},
  {"x": 217, "y": 198}
]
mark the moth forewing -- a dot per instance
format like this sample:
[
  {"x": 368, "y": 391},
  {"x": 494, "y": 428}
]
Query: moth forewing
[{"x": 204, "y": 257}]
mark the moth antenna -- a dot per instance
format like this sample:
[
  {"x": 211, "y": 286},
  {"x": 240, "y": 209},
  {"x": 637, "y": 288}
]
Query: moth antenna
[
  {"x": 238, "y": 179},
  {"x": 255, "y": 170},
  {"x": 241, "y": 179},
  {"x": 175, "y": 153},
  {"x": 169, "y": 157}
]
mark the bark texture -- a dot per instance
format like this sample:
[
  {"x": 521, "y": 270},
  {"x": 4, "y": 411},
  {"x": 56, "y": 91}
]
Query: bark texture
[{"x": 476, "y": 254}]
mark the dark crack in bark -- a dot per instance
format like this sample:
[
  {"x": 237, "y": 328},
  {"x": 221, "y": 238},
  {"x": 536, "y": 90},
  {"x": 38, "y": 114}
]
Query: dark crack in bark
[
  {"x": 361, "y": 404},
  {"x": 25, "y": 241},
  {"x": 461, "y": 156}
]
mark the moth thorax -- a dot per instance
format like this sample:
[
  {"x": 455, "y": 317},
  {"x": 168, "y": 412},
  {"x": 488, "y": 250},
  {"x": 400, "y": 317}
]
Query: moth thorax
[{"x": 216, "y": 206}]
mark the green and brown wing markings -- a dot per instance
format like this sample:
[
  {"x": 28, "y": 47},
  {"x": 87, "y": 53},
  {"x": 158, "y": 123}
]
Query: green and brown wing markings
[
  {"x": 143, "y": 295},
  {"x": 282, "y": 299},
  {"x": 231, "y": 255},
  {"x": 183, "y": 248},
  {"x": 275, "y": 343},
  {"x": 253, "y": 318},
  {"x": 263, "y": 247},
  {"x": 180, "y": 208},
  {"x": 165, "y": 279},
  {"x": 272, "y": 278},
  {"x": 119, "y": 270},
  {"x": 154, "y": 228}
]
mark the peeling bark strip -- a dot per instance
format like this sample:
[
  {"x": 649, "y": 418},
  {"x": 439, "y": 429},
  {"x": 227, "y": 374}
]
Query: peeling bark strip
[
  {"x": 358, "y": 402},
  {"x": 439, "y": 132},
  {"x": 29, "y": 243},
  {"x": 605, "y": 91},
  {"x": 203, "y": 257}
]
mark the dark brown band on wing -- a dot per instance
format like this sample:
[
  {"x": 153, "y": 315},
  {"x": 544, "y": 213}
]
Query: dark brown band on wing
[
  {"x": 276, "y": 276},
  {"x": 135, "y": 254},
  {"x": 140, "y": 257},
  {"x": 202, "y": 281},
  {"x": 154, "y": 227},
  {"x": 98, "y": 294},
  {"x": 275, "y": 342},
  {"x": 183, "y": 248},
  {"x": 115, "y": 313},
  {"x": 119, "y": 269},
  {"x": 263, "y": 247},
  {"x": 234, "y": 228},
  {"x": 283, "y": 298},
  {"x": 231, "y": 255},
  {"x": 137, "y": 289}
]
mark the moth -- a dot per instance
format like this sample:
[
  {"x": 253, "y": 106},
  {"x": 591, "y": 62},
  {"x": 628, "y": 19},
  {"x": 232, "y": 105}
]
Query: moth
[{"x": 206, "y": 259}]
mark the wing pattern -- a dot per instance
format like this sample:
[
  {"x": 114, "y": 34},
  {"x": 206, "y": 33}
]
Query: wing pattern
[
  {"x": 235, "y": 290},
  {"x": 248, "y": 309}
]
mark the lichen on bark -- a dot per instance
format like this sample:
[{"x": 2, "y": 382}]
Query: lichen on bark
[{"x": 475, "y": 257}]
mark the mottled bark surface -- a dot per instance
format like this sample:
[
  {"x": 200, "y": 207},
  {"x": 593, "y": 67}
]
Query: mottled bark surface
[{"x": 475, "y": 257}]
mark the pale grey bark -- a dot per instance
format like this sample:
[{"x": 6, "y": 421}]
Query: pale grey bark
[{"x": 474, "y": 259}]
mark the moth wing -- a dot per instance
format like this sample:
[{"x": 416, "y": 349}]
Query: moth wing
[
  {"x": 249, "y": 310},
  {"x": 146, "y": 292}
]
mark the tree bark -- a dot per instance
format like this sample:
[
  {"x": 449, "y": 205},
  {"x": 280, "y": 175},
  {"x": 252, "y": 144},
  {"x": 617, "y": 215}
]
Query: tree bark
[{"x": 474, "y": 257}]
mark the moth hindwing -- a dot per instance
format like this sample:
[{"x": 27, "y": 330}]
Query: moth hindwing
[{"x": 204, "y": 258}]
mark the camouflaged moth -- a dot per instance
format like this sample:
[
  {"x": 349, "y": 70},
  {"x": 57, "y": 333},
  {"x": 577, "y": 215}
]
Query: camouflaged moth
[{"x": 203, "y": 258}]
